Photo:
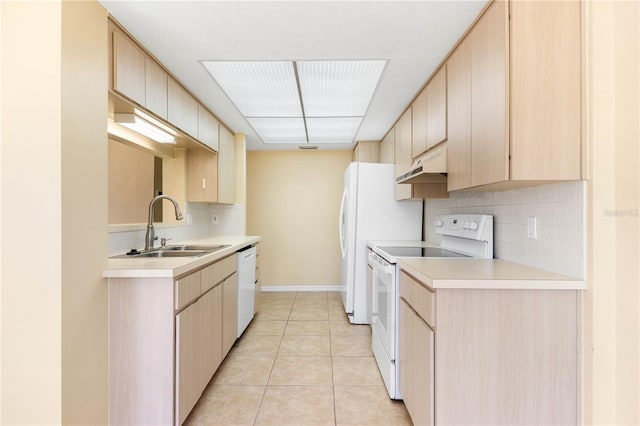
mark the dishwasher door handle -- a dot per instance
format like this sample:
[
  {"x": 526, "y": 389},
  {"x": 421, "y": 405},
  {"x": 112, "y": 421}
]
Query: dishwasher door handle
[{"x": 248, "y": 256}]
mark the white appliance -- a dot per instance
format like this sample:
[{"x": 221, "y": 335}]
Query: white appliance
[
  {"x": 246, "y": 287},
  {"x": 369, "y": 211},
  {"x": 463, "y": 236}
]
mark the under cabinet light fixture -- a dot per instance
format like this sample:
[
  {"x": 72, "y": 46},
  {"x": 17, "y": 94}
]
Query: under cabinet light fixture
[{"x": 141, "y": 123}]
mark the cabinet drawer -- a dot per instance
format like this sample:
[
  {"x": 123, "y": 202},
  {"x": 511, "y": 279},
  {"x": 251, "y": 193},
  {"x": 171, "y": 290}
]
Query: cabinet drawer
[
  {"x": 421, "y": 299},
  {"x": 216, "y": 273},
  {"x": 187, "y": 289}
]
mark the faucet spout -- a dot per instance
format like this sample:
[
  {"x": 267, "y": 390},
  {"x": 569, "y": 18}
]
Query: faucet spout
[{"x": 150, "y": 237}]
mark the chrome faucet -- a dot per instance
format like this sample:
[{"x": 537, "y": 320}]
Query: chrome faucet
[{"x": 151, "y": 233}]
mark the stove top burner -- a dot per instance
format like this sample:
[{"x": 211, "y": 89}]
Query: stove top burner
[{"x": 419, "y": 252}]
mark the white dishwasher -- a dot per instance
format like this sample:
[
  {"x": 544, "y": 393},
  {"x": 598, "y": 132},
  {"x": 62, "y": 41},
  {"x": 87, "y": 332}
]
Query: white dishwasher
[{"x": 246, "y": 286}]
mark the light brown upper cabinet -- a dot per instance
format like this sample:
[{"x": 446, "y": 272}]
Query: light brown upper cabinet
[
  {"x": 545, "y": 90},
  {"x": 403, "y": 136},
  {"x": 202, "y": 180},
  {"x": 403, "y": 152},
  {"x": 226, "y": 167},
  {"x": 212, "y": 176},
  {"x": 156, "y": 80},
  {"x": 459, "y": 114},
  {"x": 524, "y": 95},
  {"x": 419, "y": 125},
  {"x": 429, "y": 114},
  {"x": 182, "y": 109},
  {"x": 208, "y": 131},
  {"x": 366, "y": 152},
  {"x": 387, "y": 147},
  {"x": 128, "y": 68},
  {"x": 489, "y": 147},
  {"x": 436, "y": 108}
]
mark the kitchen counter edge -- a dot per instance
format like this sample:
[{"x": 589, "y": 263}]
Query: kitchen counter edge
[
  {"x": 175, "y": 267},
  {"x": 485, "y": 274}
]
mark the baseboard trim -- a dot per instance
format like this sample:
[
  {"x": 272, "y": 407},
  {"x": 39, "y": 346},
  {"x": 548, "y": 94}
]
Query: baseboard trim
[{"x": 300, "y": 288}]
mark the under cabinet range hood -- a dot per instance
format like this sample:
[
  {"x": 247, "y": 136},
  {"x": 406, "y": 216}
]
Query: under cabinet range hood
[{"x": 430, "y": 167}]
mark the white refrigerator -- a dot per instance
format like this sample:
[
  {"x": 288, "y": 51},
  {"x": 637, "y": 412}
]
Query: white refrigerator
[{"x": 369, "y": 211}]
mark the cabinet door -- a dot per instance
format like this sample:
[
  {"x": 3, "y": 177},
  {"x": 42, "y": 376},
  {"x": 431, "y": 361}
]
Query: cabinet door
[
  {"x": 226, "y": 167},
  {"x": 208, "y": 131},
  {"x": 202, "y": 176},
  {"x": 155, "y": 88},
  {"x": 416, "y": 364},
  {"x": 229, "y": 313},
  {"x": 182, "y": 108},
  {"x": 545, "y": 90},
  {"x": 436, "y": 108},
  {"x": 367, "y": 152},
  {"x": 211, "y": 319},
  {"x": 387, "y": 147},
  {"x": 402, "y": 152},
  {"x": 404, "y": 142},
  {"x": 419, "y": 124},
  {"x": 489, "y": 151},
  {"x": 459, "y": 118},
  {"x": 188, "y": 360},
  {"x": 128, "y": 68}
]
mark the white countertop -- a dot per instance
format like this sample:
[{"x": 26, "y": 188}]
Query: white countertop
[
  {"x": 485, "y": 274},
  {"x": 172, "y": 267},
  {"x": 476, "y": 273}
]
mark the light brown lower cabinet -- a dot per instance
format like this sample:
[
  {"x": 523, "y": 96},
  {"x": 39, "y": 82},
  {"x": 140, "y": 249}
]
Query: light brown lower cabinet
[
  {"x": 166, "y": 339},
  {"x": 416, "y": 346},
  {"x": 489, "y": 356},
  {"x": 229, "y": 313},
  {"x": 189, "y": 359}
]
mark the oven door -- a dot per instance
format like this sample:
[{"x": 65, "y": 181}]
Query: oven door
[{"x": 384, "y": 303}]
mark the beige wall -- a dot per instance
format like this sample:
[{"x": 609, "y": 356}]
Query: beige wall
[
  {"x": 612, "y": 301},
  {"x": 293, "y": 201},
  {"x": 54, "y": 213}
]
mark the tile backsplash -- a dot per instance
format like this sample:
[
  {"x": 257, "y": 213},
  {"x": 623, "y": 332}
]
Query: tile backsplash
[
  {"x": 197, "y": 224},
  {"x": 561, "y": 217}
]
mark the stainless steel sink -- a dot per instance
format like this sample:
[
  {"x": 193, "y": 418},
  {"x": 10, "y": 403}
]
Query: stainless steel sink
[
  {"x": 198, "y": 247},
  {"x": 182, "y": 250},
  {"x": 166, "y": 253}
]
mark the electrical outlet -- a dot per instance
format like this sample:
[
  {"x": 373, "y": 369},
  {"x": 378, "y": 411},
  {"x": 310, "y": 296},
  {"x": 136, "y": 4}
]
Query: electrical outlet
[
  {"x": 189, "y": 219},
  {"x": 214, "y": 219},
  {"x": 532, "y": 228}
]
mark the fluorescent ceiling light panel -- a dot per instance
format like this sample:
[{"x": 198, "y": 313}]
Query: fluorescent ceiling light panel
[
  {"x": 145, "y": 127},
  {"x": 280, "y": 130},
  {"x": 338, "y": 88},
  {"x": 259, "y": 89},
  {"x": 333, "y": 130}
]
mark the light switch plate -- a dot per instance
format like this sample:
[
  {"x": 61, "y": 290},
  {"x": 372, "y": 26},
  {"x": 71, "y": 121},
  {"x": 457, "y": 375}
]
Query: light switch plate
[
  {"x": 532, "y": 228},
  {"x": 214, "y": 219}
]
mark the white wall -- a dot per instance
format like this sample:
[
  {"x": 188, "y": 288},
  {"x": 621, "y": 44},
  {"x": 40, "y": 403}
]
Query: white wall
[{"x": 560, "y": 213}]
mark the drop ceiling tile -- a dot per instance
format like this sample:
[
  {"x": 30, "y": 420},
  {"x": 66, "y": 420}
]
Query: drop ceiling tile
[
  {"x": 338, "y": 88},
  {"x": 258, "y": 88},
  {"x": 333, "y": 129},
  {"x": 279, "y": 130}
]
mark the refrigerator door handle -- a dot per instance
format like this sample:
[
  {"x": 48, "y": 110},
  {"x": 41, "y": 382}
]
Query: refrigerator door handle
[{"x": 341, "y": 225}]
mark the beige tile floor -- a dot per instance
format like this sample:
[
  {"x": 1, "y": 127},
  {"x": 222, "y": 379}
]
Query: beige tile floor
[{"x": 300, "y": 362}]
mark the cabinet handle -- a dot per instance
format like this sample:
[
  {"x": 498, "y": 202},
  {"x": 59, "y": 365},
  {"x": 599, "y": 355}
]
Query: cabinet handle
[{"x": 204, "y": 183}]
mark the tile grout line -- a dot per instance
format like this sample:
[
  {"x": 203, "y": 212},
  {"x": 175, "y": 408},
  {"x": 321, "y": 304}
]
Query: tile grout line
[{"x": 273, "y": 365}]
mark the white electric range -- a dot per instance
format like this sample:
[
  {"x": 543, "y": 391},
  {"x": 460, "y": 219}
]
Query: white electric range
[{"x": 463, "y": 236}]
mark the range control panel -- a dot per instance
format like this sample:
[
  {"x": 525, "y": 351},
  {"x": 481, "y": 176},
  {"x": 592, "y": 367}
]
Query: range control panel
[{"x": 477, "y": 227}]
